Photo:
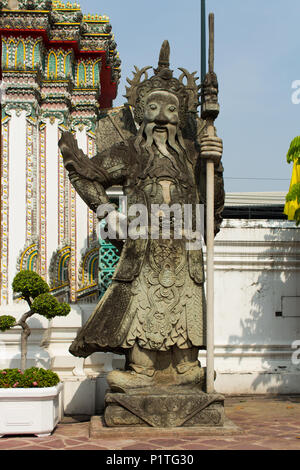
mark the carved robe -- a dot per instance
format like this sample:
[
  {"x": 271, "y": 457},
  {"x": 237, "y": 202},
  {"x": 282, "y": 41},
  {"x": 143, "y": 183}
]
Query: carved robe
[{"x": 157, "y": 294}]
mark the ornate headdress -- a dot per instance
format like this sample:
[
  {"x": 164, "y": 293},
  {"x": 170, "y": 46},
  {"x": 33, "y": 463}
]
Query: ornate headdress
[{"x": 163, "y": 80}]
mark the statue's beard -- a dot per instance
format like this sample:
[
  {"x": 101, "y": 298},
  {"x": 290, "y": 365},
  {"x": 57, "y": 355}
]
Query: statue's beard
[{"x": 147, "y": 138}]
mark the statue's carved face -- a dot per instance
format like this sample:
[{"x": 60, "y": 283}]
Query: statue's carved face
[
  {"x": 162, "y": 108},
  {"x": 160, "y": 128}
]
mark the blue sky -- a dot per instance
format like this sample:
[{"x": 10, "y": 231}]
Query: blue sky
[{"x": 257, "y": 59}]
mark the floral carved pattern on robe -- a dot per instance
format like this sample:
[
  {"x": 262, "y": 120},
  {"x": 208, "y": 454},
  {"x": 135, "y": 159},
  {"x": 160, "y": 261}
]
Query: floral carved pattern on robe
[{"x": 164, "y": 299}]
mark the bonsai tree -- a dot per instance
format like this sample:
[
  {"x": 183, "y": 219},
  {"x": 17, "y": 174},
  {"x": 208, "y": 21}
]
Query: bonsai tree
[
  {"x": 35, "y": 291},
  {"x": 292, "y": 206}
]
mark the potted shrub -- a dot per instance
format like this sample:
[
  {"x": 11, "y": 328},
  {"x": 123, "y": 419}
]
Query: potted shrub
[{"x": 30, "y": 398}]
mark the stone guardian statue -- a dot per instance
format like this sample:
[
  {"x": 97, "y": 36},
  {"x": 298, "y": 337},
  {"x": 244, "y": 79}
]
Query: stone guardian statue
[{"x": 154, "y": 310}]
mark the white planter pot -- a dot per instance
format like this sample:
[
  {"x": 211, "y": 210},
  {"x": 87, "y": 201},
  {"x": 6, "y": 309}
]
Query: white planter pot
[{"x": 30, "y": 410}]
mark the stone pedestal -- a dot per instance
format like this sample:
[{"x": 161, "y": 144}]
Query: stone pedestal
[{"x": 164, "y": 408}]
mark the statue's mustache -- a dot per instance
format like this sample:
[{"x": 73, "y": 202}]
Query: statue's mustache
[{"x": 147, "y": 137}]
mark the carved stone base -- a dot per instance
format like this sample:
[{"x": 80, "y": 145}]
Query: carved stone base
[
  {"x": 163, "y": 408},
  {"x": 99, "y": 430}
]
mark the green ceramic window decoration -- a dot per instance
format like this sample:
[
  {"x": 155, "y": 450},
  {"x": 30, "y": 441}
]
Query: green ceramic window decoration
[
  {"x": 108, "y": 260},
  {"x": 20, "y": 55},
  {"x": 52, "y": 65},
  {"x": 36, "y": 55}
]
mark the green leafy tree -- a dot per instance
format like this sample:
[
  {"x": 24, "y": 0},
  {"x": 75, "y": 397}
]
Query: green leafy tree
[
  {"x": 35, "y": 291},
  {"x": 292, "y": 207}
]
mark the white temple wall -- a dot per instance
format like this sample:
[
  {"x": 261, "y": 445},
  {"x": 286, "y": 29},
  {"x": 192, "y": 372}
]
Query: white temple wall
[
  {"x": 81, "y": 208},
  {"x": 16, "y": 196},
  {"x": 51, "y": 188}
]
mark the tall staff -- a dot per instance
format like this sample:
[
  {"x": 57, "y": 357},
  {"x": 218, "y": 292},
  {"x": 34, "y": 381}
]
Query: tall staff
[
  {"x": 209, "y": 112},
  {"x": 203, "y": 41}
]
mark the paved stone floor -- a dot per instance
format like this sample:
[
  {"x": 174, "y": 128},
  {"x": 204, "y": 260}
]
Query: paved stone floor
[{"x": 266, "y": 424}]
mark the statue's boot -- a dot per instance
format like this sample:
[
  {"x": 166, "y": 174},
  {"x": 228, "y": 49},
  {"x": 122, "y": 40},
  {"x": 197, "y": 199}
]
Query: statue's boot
[
  {"x": 190, "y": 374},
  {"x": 141, "y": 373},
  {"x": 188, "y": 368},
  {"x": 121, "y": 381}
]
